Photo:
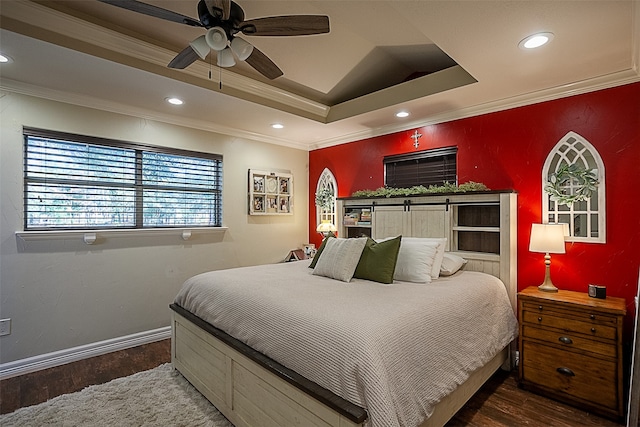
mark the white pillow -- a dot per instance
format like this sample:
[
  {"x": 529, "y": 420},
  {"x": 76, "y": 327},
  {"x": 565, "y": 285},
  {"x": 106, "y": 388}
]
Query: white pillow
[
  {"x": 419, "y": 258},
  {"x": 451, "y": 263},
  {"x": 440, "y": 243},
  {"x": 339, "y": 258},
  {"x": 415, "y": 261}
]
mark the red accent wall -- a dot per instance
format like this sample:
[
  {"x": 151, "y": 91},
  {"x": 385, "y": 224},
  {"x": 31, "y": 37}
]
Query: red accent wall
[{"x": 506, "y": 150}]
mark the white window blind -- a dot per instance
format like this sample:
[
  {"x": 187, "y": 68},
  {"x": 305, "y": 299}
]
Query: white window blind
[{"x": 79, "y": 182}]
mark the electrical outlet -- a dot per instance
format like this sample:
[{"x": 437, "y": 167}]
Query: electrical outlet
[{"x": 5, "y": 327}]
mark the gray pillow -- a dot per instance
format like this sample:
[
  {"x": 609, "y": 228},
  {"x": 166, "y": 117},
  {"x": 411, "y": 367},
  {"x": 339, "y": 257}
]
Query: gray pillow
[{"x": 340, "y": 258}]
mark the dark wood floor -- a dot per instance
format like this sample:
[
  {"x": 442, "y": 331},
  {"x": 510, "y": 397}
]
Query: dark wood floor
[
  {"x": 38, "y": 387},
  {"x": 499, "y": 403}
]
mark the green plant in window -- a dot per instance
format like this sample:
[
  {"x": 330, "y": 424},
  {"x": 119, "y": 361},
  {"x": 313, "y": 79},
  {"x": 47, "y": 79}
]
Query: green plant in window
[{"x": 571, "y": 183}]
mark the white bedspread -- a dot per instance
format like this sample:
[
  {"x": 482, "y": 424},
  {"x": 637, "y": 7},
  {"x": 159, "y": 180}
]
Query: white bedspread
[{"x": 395, "y": 350}]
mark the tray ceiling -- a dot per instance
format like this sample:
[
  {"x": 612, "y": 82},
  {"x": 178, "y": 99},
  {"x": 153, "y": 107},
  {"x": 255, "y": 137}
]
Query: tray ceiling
[{"x": 440, "y": 60}]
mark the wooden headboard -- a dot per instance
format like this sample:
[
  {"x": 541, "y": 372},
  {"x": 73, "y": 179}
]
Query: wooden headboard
[{"x": 480, "y": 226}]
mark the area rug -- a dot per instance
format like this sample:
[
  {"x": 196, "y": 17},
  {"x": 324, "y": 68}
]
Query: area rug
[{"x": 157, "y": 397}]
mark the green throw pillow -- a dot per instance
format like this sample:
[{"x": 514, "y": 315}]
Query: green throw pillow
[
  {"x": 378, "y": 260},
  {"x": 314, "y": 261}
]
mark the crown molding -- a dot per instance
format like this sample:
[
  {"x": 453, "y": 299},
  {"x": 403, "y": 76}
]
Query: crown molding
[
  {"x": 571, "y": 89},
  {"x": 142, "y": 113},
  {"x": 591, "y": 85}
]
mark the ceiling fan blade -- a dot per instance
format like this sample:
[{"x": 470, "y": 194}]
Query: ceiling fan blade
[
  {"x": 263, "y": 64},
  {"x": 155, "y": 11},
  {"x": 185, "y": 58},
  {"x": 224, "y": 6},
  {"x": 291, "y": 25}
]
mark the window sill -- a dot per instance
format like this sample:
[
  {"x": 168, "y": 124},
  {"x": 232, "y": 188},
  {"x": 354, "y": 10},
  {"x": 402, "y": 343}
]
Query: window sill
[{"x": 91, "y": 237}]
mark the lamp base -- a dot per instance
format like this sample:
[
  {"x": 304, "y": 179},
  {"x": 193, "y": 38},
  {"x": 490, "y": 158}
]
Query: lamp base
[{"x": 547, "y": 285}]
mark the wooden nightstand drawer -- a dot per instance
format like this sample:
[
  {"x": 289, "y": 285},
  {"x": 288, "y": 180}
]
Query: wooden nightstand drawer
[
  {"x": 575, "y": 374},
  {"x": 585, "y": 315},
  {"x": 569, "y": 341},
  {"x": 570, "y": 324}
]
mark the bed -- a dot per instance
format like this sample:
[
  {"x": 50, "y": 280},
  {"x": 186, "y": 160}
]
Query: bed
[{"x": 282, "y": 345}]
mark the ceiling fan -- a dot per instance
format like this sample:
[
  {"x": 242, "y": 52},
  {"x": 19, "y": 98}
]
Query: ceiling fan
[{"x": 224, "y": 19}]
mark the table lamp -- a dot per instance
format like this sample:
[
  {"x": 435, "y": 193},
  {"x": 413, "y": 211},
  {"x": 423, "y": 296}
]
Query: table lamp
[
  {"x": 548, "y": 239},
  {"x": 325, "y": 228}
]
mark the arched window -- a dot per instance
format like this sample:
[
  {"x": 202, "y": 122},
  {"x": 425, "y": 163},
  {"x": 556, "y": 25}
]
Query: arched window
[
  {"x": 586, "y": 218},
  {"x": 327, "y": 182}
]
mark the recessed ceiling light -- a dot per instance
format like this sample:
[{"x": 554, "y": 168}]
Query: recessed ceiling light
[
  {"x": 4, "y": 59},
  {"x": 535, "y": 40},
  {"x": 174, "y": 101},
  {"x": 277, "y": 126},
  {"x": 402, "y": 114}
]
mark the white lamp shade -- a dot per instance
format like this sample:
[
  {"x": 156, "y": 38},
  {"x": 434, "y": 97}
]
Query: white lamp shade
[
  {"x": 216, "y": 38},
  {"x": 225, "y": 58},
  {"x": 325, "y": 227},
  {"x": 547, "y": 238},
  {"x": 200, "y": 47},
  {"x": 241, "y": 48}
]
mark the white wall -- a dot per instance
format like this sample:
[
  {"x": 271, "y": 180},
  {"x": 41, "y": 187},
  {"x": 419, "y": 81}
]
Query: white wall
[{"x": 62, "y": 293}]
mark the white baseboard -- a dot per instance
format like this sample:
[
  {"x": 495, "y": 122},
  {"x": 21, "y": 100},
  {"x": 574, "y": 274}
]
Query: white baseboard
[{"x": 62, "y": 357}]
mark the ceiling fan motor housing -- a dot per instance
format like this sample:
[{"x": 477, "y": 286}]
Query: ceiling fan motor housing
[{"x": 209, "y": 20}]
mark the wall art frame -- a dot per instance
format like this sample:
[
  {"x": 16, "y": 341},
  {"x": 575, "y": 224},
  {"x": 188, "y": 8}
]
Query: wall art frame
[{"x": 270, "y": 192}]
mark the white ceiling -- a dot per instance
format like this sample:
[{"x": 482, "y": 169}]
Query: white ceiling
[{"x": 94, "y": 54}]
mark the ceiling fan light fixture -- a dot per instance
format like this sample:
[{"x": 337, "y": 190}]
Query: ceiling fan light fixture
[
  {"x": 225, "y": 58},
  {"x": 241, "y": 48},
  {"x": 216, "y": 38},
  {"x": 200, "y": 46},
  {"x": 535, "y": 40}
]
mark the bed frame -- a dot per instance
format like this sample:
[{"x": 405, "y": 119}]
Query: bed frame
[{"x": 251, "y": 389}]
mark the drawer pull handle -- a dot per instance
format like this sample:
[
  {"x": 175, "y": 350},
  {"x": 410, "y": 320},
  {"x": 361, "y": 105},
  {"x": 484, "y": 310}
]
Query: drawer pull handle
[
  {"x": 539, "y": 319},
  {"x": 593, "y": 330},
  {"x": 592, "y": 317},
  {"x": 565, "y": 340},
  {"x": 540, "y": 307},
  {"x": 566, "y": 371}
]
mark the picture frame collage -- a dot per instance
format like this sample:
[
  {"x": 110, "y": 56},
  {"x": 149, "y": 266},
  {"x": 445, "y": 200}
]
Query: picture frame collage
[{"x": 270, "y": 193}]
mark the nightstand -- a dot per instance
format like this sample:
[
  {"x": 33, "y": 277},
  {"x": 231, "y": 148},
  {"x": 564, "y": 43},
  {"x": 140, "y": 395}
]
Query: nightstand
[{"x": 571, "y": 348}]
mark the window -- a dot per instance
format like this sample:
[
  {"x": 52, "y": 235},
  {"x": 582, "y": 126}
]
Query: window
[
  {"x": 431, "y": 167},
  {"x": 74, "y": 182},
  {"x": 327, "y": 182},
  {"x": 586, "y": 218}
]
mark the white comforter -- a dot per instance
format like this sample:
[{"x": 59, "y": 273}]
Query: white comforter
[{"x": 395, "y": 350}]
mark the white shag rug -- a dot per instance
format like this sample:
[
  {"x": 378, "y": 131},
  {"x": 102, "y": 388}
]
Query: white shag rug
[{"x": 157, "y": 397}]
